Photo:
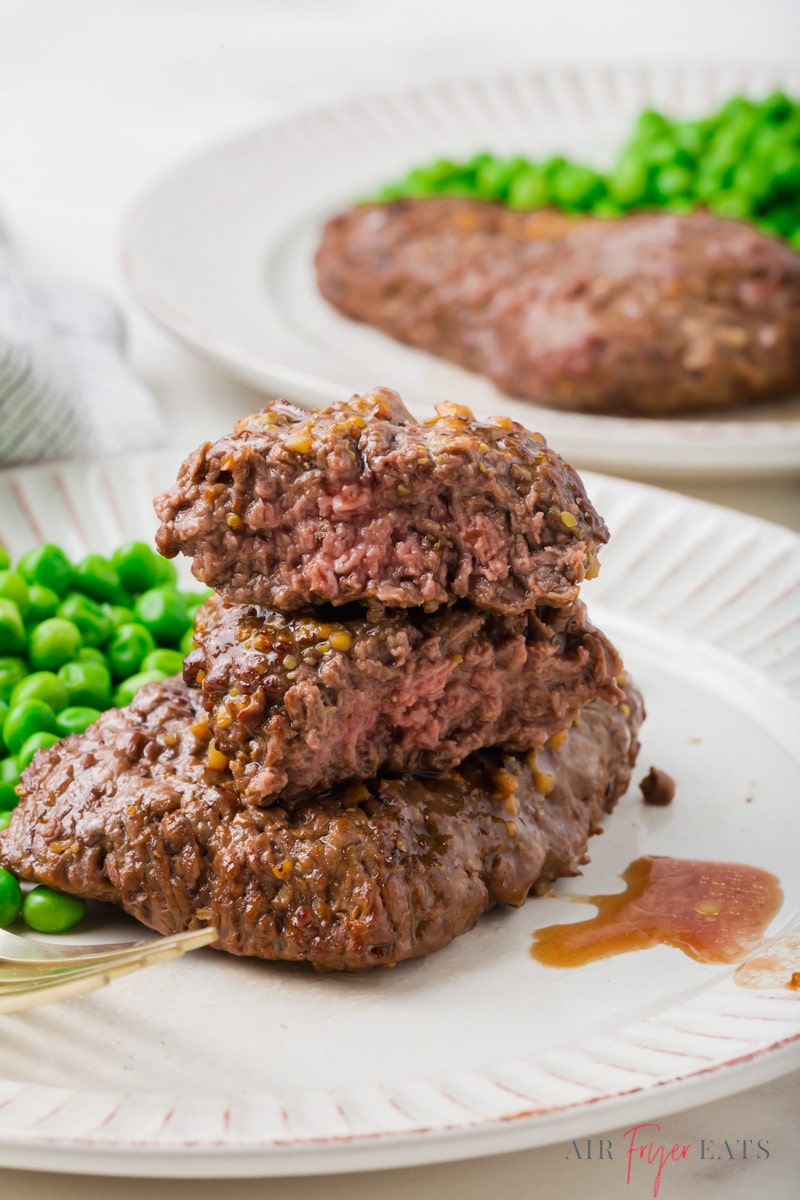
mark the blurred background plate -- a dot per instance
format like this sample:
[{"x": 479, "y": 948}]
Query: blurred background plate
[
  {"x": 215, "y": 1066},
  {"x": 221, "y": 250}
]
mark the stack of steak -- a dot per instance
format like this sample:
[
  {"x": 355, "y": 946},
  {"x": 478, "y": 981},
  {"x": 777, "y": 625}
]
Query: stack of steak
[{"x": 397, "y": 713}]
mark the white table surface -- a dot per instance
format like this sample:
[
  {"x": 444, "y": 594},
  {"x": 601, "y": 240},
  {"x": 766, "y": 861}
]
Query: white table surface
[{"x": 96, "y": 99}]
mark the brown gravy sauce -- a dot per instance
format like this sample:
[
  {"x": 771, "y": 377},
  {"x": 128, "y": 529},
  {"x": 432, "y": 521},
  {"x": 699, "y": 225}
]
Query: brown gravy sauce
[{"x": 715, "y": 912}]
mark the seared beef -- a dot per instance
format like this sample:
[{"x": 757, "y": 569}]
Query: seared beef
[
  {"x": 305, "y": 702},
  {"x": 130, "y": 812},
  {"x": 362, "y": 502},
  {"x": 650, "y": 314}
]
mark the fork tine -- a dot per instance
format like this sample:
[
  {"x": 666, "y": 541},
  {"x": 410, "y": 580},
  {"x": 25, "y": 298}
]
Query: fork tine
[
  {"x": 72, "y": 983},
  {"x": 14, "y": 974},
  {"x": 20, "y": 950},
  {"x": 75, "y": 981},
  {"x": 11, "y": 977},
  {"x": 23, "y": 979},
  {"x": 16, "y": 978}
]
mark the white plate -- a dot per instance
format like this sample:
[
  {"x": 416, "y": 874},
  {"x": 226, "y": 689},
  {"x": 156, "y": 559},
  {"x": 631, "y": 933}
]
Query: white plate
[
  {"x": 216, "y": 1066},
  {"x": 220, "y": 251}
]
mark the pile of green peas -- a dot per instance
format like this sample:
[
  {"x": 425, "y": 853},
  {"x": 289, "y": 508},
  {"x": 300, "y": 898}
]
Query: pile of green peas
[
  {"x": 742, "y": 161},
  {"x": 75, "y": 640}
]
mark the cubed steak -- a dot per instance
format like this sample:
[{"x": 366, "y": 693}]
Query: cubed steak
[
  {"x": 650, "y": 314},
  {"x": 131, "y": 813},
  {"x": 360, "y": 502},
  {"x": 301, "y": 703}
]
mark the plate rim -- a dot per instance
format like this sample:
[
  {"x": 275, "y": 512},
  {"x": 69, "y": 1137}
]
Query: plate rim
[{"x": 188, "y": 1158}]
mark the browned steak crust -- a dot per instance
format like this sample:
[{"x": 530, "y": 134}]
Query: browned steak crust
[
  {"x": 651, "y": 314},
  {"x": 361, "y": 502},
  {"x": 129, "y": 812},
  {"x": 306, "y": 702}
]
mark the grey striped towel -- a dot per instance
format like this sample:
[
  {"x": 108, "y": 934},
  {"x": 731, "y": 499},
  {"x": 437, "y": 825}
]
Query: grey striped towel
[{"x": 65, "y": 390}]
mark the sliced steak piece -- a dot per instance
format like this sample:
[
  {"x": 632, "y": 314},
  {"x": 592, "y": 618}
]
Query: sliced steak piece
[
  {"x": 361, "y": 502},
  {"x": 131, "y": 813},
  {"x": 302, "y": 703},
  {"x": 651, "y": 314}
]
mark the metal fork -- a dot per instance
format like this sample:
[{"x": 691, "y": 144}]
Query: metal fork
[{"x": 33, "y": 973}]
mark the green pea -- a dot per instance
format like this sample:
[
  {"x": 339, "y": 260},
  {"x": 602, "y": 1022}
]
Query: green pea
[
  {"x": 48, "y": 565},
  {"x": 551, "y": 166},
  {"x": 651, "y": 124},
  {"x": 458, "y": 189},
  {"x": 736, "y": 109},
  {"x": 671, "y": 182},
  {"x": 690, "y": 136},
  {"x": 139, "y": 567},
  {"x": 167, "y": 570},
  {"x": 5, "y": 558},
  {"x": 767, "y": 141},
  {"x": 168, "y": 661},
  {"x": 776, "y": 107},
  {"x": 12, "y": 630},
  {"x": 8, "y": 796},
  {"x": 417, "y": 184},
  {"x": 97, "y": 578},
  {"x": 752, "y": 181},
  {"x": 129, "y": 687},
  {"x": 784, "y": 219},
  {"x": 663, "y": 153},
  {"x": 195, "y": 600},
  {"x": 88, "y": 684},
  {"x": 12, "y": 670},
  {"x": 13, "y": 587},
  {"x": 384, "y": 195},
  {"x": 25, "y": 719},
  {"x": 493, "y": 179},
  {"x": 48, "y": 911},
  {"x": 5, "y": 819},
  {"x": 529, "y": 189},
  {"x": 94, "y": 625},
  {"x": 53, "y": 642},
  {"x": 10, "y": 898},
  {"x": 727, "y": 147},
  {"x": 429, "y": 178},
  {"x": 606, "y": 210},
  {"x": 76, "y": 718},
  {"x": 785, "y": 173},
  {"x": 709, "y": 181},
  {"x": 162, "y": 611},
  {"x": 628, "y": 182},
  {"x": 42, "y": 603},
  {"x": 91, "y": 654},
  {"x": 128, "y": 649},
  {"x": 680, "y": 205},
  {"x": 118, "y": 614},
  {"x": 576, "y": 187},
  {"x": 729, "y": 204},
  {"x": 41, "y": 685},
  {"x": 37, "y": 741},
  {"x": 9, "y": 770},
  {"x": 187, "y": 642},
  {"x": 479, "y": 160}
]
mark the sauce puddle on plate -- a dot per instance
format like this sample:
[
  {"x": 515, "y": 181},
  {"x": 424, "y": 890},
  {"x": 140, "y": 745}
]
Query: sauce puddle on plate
[
  {"x": 714, "y": 912},
  {"x": 776, "y": 963}
]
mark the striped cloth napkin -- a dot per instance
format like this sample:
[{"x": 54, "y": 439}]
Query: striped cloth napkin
[{"x": 65, "y": 390}]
